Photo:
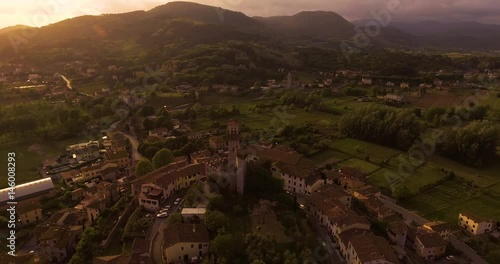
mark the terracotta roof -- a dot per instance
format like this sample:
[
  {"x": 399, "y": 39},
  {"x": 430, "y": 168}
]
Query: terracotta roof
[
  {"x": 430, "y": 240},
  {"x": 438, "y": 226},
  {"x": 67, "y": 175},
  {"x": 476, "y": 218},
  {"x": 62, "y": 234},
  {"x": 28, "y": 206},
  {"x": 286, "y": 157},
  {"x": 217, "y": 139},
  {"x": 186, "y": 233},
  {"x": 398, "y": 227},
  {"x": 351, "y": 172},
  {"x": 152, "y": 176},
  {"x": 293, "y": 170},
  {"x": 117, "y": 155},
  {"x": 327, "y": 197},
  {"x": 369, "y": 247},
  {"x": 368, "y": 190},
  {"x": 172, "y": 176}
]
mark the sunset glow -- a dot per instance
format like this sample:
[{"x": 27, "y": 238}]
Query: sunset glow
[{"x": 40, "y": 13}]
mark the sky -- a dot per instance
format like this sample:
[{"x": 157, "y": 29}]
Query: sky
[{"x": 42, "y": 12}]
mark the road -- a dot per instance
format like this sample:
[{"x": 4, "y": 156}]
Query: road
[
  {"x": 136, "y": 156},
  {"x": 156, "y": 236},
  {"x": 333, "y": 254},
  {"x": 410, "y": 216},
  {"x": 156, "y": 232}
]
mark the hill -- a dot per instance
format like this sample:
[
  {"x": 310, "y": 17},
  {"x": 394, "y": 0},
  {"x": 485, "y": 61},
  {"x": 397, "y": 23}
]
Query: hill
[{"x": 315, "y": 24}]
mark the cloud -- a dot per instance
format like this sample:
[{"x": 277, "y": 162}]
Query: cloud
[{"x": 17, "y": 12}]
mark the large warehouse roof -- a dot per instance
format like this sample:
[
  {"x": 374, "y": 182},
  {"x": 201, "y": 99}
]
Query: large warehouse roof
[{"x": 27, "y": 189}]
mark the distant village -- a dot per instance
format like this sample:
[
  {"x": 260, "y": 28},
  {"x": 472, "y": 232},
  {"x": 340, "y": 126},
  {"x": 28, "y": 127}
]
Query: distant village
[{"x": 54, "y": 88}]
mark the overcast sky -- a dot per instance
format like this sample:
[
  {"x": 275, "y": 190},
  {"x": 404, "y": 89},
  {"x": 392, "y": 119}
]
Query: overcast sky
[{"x": 43, "y": 12}]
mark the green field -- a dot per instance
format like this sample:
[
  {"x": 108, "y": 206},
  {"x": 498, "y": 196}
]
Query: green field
[
  {"x": 421, "y": 176},
  {"x": 361, "y": 149},
  {"x": 364, "y": 166},
  {"x": 168, "y": 99},
  {"x": 329, "y": 154},
  {"x": 29, "y": 155},
  {"x": 483, "y": 202},
  {"x": 441, "y": 197},
  {"x": 481, "y": 177}
]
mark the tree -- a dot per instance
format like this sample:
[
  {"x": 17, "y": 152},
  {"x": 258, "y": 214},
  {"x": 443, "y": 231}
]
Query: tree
[
  {"x": 143, "y": 167},
  {"x": 151, "y": 152},
  {"x": 164, "y": 121},
  {"x": 261, "y": 181},
  {"x": 327, "y": 92},
  {"x": 262, "y": 209},
  {"x": 474, "y": 144},
  {"x": 86, "y": 247},
  {"x": 401, "y": 192},
  {"x": 162, "y": 157},
  {"x": 215, "y": 220},
  {"x": 175, "y": 219},
  {"x": 227, "y": 246},
  {"x": 148, "y": 124},
  {"x": 147, "y": 110}
]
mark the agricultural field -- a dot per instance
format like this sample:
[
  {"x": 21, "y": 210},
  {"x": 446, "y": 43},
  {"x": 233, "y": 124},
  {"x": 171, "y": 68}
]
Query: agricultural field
[
  {"x": 437, "y": 100},
  {"x": 361, "y": 149},
  {"x": 420, "y": 177},
  {"x": 168, "y": 99},
  {"x": 441, "y": 197},
  {"x": 329, "y": 155},
  {"x": 29, "y": 156},
  {"x": 481, "y": 177},
  {"x": 364, "y": 166}
]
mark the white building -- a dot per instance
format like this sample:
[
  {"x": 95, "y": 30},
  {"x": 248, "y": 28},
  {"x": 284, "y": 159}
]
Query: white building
[{"x": 475, "y": 224}]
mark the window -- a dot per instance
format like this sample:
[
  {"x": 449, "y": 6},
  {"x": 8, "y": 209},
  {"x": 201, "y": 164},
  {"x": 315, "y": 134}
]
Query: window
[
  {"x": 192, "y": 245},
  {"x": 199, "y": 246},
  {"x": 182, "y": 248}
]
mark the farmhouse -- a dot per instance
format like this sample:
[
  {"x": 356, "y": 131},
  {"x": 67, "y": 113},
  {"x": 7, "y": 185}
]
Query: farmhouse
[
  {"x": 429, "y": 245},
  {"x": 440, "y": 227},
  {"x": 475, "y": 224},
  {"x": 361, "y": 246},
  {"x": 29, "y": 212},
  {"x": 183, "y": 242}
]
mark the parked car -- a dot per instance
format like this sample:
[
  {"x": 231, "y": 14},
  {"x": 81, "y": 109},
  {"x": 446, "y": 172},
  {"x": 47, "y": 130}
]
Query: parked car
[
  {"x": 177, "y": 201},
  {"x": 450, "y": 257},
  {"x": 161, "y": 215}
]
